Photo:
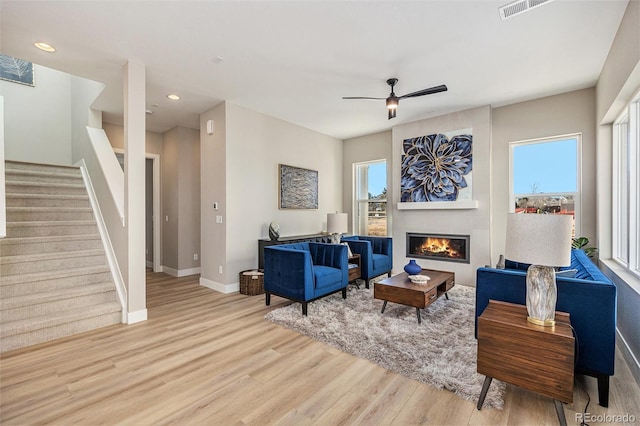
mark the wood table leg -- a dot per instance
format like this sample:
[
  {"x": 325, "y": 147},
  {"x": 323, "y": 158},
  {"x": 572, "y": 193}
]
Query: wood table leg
[
  {"x": 485, "y": 389},
  {"x": 560, "y": 411}
]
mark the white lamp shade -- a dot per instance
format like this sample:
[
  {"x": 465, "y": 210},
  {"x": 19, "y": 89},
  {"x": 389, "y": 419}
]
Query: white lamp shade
[
  {"x": 539, "y": 239},
  {"x": 337, "y": 223}
]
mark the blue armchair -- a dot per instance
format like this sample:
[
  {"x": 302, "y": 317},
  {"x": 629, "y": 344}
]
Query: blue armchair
[
  {"x": 376, "y": 255},
  {"x": 305, "y": 271}
]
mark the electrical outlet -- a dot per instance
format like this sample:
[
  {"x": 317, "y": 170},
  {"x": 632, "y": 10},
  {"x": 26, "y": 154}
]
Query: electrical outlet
[
  {"x": 220, "y": 269},
  {"x": 218, "y": 219},
  {"x": 195, "y": 256}
]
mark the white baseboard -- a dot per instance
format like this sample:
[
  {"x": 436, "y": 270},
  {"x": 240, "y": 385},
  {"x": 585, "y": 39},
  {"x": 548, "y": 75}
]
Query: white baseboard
[
  {"x": 628, "y": 355},
  {"x": 179, "y": 272},
  {"x": 137, "y": 316},
  {"x": 222, "y": 288}
]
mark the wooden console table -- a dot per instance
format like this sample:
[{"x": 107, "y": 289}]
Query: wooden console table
[{"x": 533, "y": 357}]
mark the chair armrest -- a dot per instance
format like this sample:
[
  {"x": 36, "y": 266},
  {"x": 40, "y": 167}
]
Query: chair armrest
[{"x": 288, "y": 272}]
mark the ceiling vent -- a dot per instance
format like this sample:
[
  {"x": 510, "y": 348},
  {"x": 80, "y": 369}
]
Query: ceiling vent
[{"x": 520, "y": 6}]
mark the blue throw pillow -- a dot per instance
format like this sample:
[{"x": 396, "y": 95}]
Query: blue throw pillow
[
  {"x": 567, "y": 273},
  {"x": 510, "y": 264}
]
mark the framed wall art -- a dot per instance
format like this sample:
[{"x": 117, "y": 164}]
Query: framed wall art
[
  {"x": 437, "y": 167},
  {"x": 298, "y": 188},
  {"x": 16, "y": 70}
]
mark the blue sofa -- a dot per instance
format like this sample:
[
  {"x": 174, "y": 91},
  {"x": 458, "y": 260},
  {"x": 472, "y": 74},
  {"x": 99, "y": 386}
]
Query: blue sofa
[
  {"x": 376, "y": 255},
  {"x": 305, "y": 271},
  {"x": 589, "y": 298}
]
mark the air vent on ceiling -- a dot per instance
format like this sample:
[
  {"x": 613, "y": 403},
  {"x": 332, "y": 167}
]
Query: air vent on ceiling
[{"x": 520, "y": 6}]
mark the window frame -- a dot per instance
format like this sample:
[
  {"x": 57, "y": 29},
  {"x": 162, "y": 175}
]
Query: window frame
[
  {"x": 626, "y": 159},
  {"x": 576, "y": 195},
  {"x": 360, "y": 180}
]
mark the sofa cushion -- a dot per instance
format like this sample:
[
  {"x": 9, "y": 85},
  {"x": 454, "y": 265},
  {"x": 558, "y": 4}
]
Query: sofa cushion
[{"x": 326, "y": 276}]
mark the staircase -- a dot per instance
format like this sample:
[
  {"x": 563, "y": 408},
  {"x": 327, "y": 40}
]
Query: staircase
[{"x": 54, "y": 276}]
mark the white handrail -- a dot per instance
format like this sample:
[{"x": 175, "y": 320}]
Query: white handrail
[{"x": 110, "y": 167}]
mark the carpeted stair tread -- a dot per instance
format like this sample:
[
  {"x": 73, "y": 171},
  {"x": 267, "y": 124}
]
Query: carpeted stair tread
[
  {"x": 48, "y": 239},
  {"x": 25, "y": 165},
  {"x": 69, "y": 315},
  {"x": 43, "y": 223},
  {"x": 45, "y": 196},
  {"x": 50, "y": 296},
  {"x": 7, "y": 260},
  {"x": 50, "y": 209},
  {"x": 42, "y": 276},
  {"x": 15, "y": 183},
  {"x": 24, "y": 175}
]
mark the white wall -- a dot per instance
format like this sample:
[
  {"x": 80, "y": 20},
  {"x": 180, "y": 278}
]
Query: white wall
[
  {"x": 473, "y": 222},
  {"x": 372, "y": 147},
  {"x": 254, "y": 145},
  {"x": 38, "y": 119},
  {"x": 572, "y": 112}
]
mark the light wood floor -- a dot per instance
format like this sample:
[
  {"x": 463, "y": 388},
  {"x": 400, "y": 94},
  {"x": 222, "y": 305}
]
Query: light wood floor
[{"x": 207, "y": 358}]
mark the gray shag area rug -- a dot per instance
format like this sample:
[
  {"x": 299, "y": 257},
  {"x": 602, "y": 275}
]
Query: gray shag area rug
[{"x": 440, "y": 352}]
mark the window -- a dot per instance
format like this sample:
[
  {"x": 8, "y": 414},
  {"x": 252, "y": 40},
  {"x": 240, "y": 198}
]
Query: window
[
  {"x": 370, "y": 203},
  {"x": 545, "y": 177},
  {"x": 626, "y": 188}
]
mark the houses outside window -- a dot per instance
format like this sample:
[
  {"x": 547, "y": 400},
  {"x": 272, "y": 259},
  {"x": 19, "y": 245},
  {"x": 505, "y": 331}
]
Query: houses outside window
[
  {"x": 370, "y": 201},
  {"x": 626, "y": 188},
  {"x": 545, "y": 177}
]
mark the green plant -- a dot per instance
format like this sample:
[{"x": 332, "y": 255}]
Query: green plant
[{"x": 581, "y": 243}]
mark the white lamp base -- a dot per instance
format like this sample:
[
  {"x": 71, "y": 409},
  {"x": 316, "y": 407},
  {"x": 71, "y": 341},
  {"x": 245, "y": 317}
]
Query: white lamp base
[{"x": 541, "y": 295}]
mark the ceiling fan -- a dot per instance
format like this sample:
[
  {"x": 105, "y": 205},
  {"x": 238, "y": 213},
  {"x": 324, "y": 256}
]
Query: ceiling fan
[{"x": 392, "y": 100}]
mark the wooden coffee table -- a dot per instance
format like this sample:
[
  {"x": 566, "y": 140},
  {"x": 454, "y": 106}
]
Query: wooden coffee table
[{"x": 399, "y": 289}]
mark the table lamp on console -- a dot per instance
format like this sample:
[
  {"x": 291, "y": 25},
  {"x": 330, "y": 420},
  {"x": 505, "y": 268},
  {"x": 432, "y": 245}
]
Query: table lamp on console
[
  {"x": 544, "y": 241},
  {"x": 337, "y": 224}
]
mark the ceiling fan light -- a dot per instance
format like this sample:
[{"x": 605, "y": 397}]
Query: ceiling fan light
[
  {"x": 392, "y": 113},
  {"x": 392, "y": 103}
]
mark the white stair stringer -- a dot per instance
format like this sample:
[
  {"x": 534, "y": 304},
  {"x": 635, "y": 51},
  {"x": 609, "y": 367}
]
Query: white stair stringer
[{"x": 55, "y": 278}]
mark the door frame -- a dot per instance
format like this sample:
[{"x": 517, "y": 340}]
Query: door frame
[{"x": 156, "y": 207}]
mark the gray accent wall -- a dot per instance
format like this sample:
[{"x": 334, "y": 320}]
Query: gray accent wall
[
  {"x": 376, "y": 146},
  {"x": 240, "y": 172}
]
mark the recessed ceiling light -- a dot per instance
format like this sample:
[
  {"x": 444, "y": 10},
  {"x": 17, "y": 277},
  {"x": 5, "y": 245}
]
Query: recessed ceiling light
[
  {"x": 44, "y": 46},
  {"x": 173, "y": 97}
]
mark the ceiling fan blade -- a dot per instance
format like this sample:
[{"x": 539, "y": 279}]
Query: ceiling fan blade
[
  {"x": 361, "y": 97},
  {"x": 429, "y": 91}
]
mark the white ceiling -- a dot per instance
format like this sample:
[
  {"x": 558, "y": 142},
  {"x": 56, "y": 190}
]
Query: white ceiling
[{"x": 296, "y": 59}]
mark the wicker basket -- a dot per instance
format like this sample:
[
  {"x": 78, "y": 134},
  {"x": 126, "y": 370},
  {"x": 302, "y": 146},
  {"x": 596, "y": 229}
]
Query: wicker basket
[{"x": 252, "y": 282}]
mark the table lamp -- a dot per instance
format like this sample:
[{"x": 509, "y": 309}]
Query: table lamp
[
  {"x": 336, "y": 225},
  {"x": 544, "y": 241}
]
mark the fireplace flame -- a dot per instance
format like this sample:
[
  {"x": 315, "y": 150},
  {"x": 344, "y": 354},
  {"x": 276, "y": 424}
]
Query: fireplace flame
[{"x": 439, "y": 246}]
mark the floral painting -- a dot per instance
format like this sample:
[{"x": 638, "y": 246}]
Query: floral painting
[{"x": 437, "y": 167}]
